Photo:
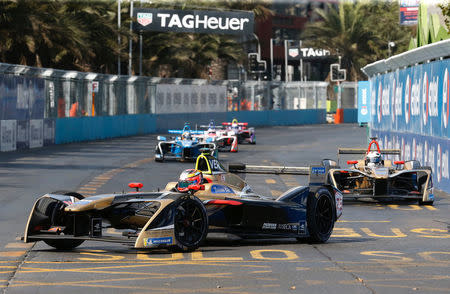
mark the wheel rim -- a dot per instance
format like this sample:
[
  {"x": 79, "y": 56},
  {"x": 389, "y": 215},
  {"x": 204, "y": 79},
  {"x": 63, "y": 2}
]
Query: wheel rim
[
  {"x": 189, "y": 223},
  {"x": 324, "y": 215}
]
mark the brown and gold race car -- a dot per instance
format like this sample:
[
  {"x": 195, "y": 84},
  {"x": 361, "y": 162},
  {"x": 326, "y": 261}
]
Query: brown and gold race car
[
  {"x": 221, "y": 202},
  {"x": 379, "y": 178}
]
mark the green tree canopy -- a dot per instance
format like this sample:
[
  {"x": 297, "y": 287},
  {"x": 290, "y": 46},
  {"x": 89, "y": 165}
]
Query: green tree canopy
[{"x": 359, "y": 32}]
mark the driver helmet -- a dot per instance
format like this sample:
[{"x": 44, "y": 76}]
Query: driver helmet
[
  {"x": 189, "y": 177},
  {"x": 373, "y": 158},
  {"x": 211, "y": 131},
  {"x": 186, "y": 136}
]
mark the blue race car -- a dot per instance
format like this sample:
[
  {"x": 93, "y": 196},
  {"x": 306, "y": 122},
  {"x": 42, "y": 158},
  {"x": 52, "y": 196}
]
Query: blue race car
[{"x": 184, "y": 147}]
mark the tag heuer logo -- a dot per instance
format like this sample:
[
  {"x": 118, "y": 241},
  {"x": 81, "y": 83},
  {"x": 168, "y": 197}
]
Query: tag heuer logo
[
  {"x": 293, "y": 52},
  {"x": 144, "y": 19}
]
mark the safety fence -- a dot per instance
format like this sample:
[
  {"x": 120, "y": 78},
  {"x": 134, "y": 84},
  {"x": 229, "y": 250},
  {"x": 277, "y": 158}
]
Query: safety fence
[
  {"x": 41, "y": 106},
  {"x": 410, "y": 107}
]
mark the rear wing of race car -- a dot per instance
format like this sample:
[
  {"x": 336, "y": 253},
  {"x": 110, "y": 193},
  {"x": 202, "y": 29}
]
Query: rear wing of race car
[
  {"x": 317, "y": 173},
  {"x": 239, "y": 124},
  {"x": 364, "y": 151},
  {"x": 182, "y": 131},
  {"x": 266, "y": 169}
]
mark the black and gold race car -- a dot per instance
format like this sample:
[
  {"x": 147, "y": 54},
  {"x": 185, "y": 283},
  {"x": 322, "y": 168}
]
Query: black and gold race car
[
  {"x": 221, "y": 202},
  {"x": 377, "y": 177}
]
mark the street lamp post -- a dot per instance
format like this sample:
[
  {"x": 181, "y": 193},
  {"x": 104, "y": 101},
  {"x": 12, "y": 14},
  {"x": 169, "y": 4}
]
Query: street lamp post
[
  {"x": 130, "y": 53},
  {"x": 390, "y": 45},
  {"x": 118, "y": 36}
]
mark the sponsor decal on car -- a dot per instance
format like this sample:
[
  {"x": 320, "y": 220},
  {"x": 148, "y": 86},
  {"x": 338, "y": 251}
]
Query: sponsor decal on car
[
  {"x": 220, "y": 189},
  {"x": 157, "y": 241},
  {"x": 299, "y": 228},
  {"x": 318, "y": 170},
  {"x": 269, "y": 226}
]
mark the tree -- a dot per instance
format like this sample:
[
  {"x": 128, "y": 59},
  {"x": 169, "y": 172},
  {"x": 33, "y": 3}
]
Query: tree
[
  {"x": 445, "y": 8},
  {"x": 359, "y": 32}
]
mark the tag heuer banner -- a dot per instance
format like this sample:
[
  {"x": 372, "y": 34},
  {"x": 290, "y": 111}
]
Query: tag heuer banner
[
  {"x": 296, "y": 53},
  {"x": 194, "y": 21}
]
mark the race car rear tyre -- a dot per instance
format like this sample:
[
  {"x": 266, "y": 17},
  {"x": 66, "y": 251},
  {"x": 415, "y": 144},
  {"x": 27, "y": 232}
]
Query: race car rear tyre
[
  {"x": 190, "y": 224},
  {"x": 253, "y": 140},
  {"x": 426, "y": 202},
  {"x": 64, "y": 244},
  {"x": 321, "y": 215}
]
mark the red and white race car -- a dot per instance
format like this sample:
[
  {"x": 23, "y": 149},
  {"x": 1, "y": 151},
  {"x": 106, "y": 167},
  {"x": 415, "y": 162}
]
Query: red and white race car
[
  {"x": 241, "y": 130},
  {"x": 224, "y": 140}
]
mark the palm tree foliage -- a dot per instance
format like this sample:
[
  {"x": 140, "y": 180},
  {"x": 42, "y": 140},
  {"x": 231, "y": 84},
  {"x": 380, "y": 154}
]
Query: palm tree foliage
[
  {"x": 59, "y": 34},
  {"x": 359, "y": 32},
  {"x": 82, "y": 35}
]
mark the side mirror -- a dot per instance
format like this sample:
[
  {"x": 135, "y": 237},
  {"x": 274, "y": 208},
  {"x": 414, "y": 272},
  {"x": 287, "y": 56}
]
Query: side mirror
[
  {"x": 136, "y": 186},
  {"x": 161, "y": 138}
]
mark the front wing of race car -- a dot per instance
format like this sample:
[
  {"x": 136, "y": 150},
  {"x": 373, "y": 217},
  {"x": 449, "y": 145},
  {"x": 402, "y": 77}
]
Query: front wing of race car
[
  {"x": 227, "y": 143},
  {"x": 145, "y": 220},
  {"x": 403, "y": 184},
  {"x": 173, "y": 150}
]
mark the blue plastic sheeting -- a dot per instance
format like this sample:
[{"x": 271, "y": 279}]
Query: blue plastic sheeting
[
  {"x": 428, "y": 150},
  {"x": 413, "y": 100},
  {"x": 21, "y": 98},
  {"x": 102, "y": 127},
  {"x": 350, "y": 115},
  {"x": 280, "y": 117}
]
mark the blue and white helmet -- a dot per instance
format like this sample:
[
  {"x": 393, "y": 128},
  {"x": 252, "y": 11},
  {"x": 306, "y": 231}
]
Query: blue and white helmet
[{"x": 374, "y": 157}]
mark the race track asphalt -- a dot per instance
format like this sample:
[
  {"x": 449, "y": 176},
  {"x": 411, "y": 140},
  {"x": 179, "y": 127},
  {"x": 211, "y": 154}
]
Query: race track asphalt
[{"x": 394, "y": 247}]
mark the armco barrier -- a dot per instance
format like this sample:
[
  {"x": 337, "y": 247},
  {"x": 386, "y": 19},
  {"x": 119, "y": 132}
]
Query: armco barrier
[{"x": 102, "y": 127}]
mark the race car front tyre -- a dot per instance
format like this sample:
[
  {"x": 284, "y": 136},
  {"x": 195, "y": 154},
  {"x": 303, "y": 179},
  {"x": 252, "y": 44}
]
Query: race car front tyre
[
  {"x": 190, "y": 224},
  {"x": 56, "y": 217},
  {"x": 320, "y": 215}
]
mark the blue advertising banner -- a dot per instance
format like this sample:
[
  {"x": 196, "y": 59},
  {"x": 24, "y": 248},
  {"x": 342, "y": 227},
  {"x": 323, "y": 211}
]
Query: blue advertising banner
[
  {"x": 428, "y": 150},
  {"x": 363, "y": 102},
  {"x": 410, "y": 110},
  {"x": 413, "y": 100}
]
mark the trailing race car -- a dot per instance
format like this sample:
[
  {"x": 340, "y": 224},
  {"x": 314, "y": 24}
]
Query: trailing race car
[
  {"x": 241, "y": 130},
  {"x": 376, "y": 177},
  {"x": 218, "y": 136},
  {"x": 184, "y": 147},
  {"x": 233, "y": 208},
  {"x": 176, "y": 219}
]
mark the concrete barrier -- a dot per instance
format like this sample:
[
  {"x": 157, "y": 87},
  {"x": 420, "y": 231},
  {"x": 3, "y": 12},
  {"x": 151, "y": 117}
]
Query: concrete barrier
[
  {"x": 77, "y": 129},
  {"x": 103, "y": 127}
]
